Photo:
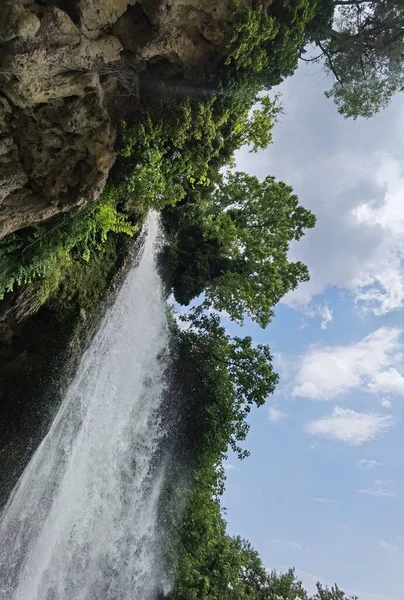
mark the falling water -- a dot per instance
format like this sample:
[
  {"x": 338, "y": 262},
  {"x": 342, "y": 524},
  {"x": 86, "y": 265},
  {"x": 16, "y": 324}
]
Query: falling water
[{"x": 81, "y": 523}]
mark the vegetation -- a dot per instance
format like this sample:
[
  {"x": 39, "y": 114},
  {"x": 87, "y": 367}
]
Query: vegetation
[
  {"x": 172, "y": 149},
  {"x": 228, "y": 237},
  {"x": 217, "y": 380},
  {"x": 46, "y": 253},
  {"x": 231, "y": 242},
  {"x": 361, "y": 44}
]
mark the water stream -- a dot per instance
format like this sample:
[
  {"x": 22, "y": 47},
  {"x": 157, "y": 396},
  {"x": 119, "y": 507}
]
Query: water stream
[{"x": 82, "y": 522}]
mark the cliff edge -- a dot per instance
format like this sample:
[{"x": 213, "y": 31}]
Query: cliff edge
[{"x": 68, "y": 71}]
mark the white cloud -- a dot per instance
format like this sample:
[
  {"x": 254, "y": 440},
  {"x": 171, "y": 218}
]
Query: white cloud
[
  {"x": 275, "y": 414},
  {"x": 365, "y": 253},
  {"x": 326, "y": 314},
  {"x": 385, "y": 403},
  {"x": 367, "y": 463},
  {"x": 325, "y": 500},
  {"x": 389, "y": 381},
  {"x": 357, "y": 195},
  {"x": 387, "y": 546},
  {"x": 343, "y": 245},
  {"x": 325, "y": 372},
  {"x": 378, "y": 490},
  {"x": 321, "y": 311},
  {"x": 381, "y": 288},
  {"x": 352, "y": 428}
]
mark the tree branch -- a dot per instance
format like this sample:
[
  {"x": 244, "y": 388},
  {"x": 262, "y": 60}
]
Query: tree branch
[
  {"x": 328, "y": 55},
  {"x": 308, "y": 60}
]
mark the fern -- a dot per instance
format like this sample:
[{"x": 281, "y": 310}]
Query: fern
[{"x": 47, "y": 250}]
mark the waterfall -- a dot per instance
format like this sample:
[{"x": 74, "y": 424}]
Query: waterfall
[{"x": 82, "y": 523}]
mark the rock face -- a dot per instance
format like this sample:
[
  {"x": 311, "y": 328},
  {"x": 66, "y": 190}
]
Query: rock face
[{"x": 61, "y": 63}]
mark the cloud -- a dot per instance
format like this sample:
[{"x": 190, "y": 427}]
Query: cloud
[
  {"x": 360, "y": 246},
  {"x": 381, "y": 288},
  {"x": 378, "y": 490},
  {"x": 389, "y": 381},
  {"x": 387, "y": 546},
  {"x": 352, "y": 428},
  {"x": 325, "y": 372},
  {"x": 385, "y": 403},
  {"x": 326, "y": 313},
  {"x": 334, "y": 170},
  {"x": 357, "y": 195},
  {"x": 309, "y": 580},
  {"x": 322, "y": 311},
  {"x": 366, "y": 463},
  {"x": 275, "y": 414}
]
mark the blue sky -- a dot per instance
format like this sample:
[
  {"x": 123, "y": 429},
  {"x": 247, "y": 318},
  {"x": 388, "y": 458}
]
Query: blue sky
[{"x": 323, "y": 488}]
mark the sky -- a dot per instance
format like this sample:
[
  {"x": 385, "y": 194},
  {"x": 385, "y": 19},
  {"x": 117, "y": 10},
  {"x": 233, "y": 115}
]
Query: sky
[{"x": 323, "y": 489}]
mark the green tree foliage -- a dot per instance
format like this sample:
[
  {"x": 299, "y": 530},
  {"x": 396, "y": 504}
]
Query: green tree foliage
[
  {"x": 333, "y": 593},
  {"x": 248, "y": 41},
  {"x": 233, "y": 246},
  {"x": 173, "y": 145},
  {"x": 165, "y": 151},
  {"x": 222, "y": 378},
  {"x": 214, "y": 381},
  {"x": 170, "y": 148},
  {"x": 362, "y": 46},
  {"x": 215, "y": 566},
  {"x": 255, "y": 128},
  {"x": 217, "y": 380},
  {"x": 265, "y": 41}
]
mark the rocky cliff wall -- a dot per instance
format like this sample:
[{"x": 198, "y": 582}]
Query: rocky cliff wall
[{"x": 67, "y": 68}]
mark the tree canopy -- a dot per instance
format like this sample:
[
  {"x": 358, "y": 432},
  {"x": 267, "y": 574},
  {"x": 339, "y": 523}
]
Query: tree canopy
[
  {"x": 221, "y": 377},
  {"x": 361, "y": 44},
  {"x": 216, "y": 379},
  {"x": 233, "y": 245}
]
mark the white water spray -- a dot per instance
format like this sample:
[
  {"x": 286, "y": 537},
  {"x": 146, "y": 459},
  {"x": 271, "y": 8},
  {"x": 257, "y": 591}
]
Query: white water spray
[{"x": 81, "y": 523}]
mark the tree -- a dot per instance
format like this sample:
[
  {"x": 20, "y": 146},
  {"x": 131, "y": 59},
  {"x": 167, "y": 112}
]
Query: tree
[
  {"x": 220, "y": 567},
  {"x": 264, "y": 41},
  {"x": 233, "y": 246},
  {"x": 361, "y": 43},
  {"x": 221, "y": 378},
  {"x": 333, "y": 593}
]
